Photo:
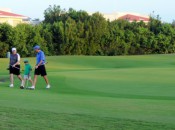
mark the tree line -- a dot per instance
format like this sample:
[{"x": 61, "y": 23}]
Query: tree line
[{"x": 71, "y": 32}]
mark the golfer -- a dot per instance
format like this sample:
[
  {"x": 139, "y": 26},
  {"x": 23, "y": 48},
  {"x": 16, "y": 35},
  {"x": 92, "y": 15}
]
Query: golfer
[
  {"x": 14, "y": 68},
  {"x": 40, "y": 67}
]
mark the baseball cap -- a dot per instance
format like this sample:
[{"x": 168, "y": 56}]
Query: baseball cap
[
  {"x": 13, "y": 49},
  {"x": 26, "y": 61},
  {"x": 36, "y": 47}
]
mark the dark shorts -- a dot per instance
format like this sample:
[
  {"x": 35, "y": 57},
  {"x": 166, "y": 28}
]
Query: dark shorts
[
  {"x": 15, "y": 70},
  {"x": 41, "y": 71}
]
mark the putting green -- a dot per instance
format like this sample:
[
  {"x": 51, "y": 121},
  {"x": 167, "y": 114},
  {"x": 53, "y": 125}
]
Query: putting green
[{"x": 125, "y": 92}]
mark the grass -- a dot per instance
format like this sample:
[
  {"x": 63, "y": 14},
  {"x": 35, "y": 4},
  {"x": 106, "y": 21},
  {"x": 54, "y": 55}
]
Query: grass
[{"x": 94, "y": 93}]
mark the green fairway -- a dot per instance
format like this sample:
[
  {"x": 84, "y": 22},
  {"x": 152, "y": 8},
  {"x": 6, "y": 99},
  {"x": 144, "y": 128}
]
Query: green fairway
[{"x": 93, "y": 93}]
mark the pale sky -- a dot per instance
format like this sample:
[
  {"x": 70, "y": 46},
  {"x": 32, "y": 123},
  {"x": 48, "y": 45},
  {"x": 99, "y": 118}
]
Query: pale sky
[{"x": 35, "y": 8}]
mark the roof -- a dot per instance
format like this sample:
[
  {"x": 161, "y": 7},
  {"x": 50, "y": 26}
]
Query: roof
[
  {"x": 131, "y": 17},
  {"x": 9, "y": 14}
]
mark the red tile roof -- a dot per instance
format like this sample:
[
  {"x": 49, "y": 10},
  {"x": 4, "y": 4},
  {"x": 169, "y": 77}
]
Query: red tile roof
[
  {"x": 9, "y": 14},
  {"x": 131, "y": 17}
]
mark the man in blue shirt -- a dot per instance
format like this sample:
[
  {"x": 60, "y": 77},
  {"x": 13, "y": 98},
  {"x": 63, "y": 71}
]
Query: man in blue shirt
[{"x": 40, "y": 67}]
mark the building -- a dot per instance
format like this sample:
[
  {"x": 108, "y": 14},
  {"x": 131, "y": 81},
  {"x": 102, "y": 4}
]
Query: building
[
  {"x": 131, "y": 17},
  {"x": 6, "y": 16},
  {"x": 35, "y": 22}
]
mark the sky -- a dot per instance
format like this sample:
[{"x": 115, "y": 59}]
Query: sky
[{"x": 35, "y": 8}]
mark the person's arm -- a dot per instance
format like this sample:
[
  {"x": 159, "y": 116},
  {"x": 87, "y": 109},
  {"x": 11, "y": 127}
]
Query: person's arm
[
  {"x": 30, "y": 68},
  {"x": 18, "y": 62},
  {"x": 40, "y": 63}
]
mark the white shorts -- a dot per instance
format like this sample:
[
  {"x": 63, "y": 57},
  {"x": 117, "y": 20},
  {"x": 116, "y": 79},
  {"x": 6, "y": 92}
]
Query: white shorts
[{"x": 27, "y": 77}]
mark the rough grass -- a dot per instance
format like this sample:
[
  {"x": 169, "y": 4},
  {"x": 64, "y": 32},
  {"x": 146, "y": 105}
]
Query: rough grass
[{"x": 20, "y": 119}]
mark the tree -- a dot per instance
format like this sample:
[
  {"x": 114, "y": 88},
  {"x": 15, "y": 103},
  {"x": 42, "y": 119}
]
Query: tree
[
  {"x": 53, "y": 14},
  {"x": 4, "y": 48},
  {"x": 7, "y": 35}
]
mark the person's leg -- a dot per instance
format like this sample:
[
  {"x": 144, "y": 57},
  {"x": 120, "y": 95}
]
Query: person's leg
[
  {"x": 11, "y": 80},
  {"x": 24, "y": 82},
  {"x": 44, "y": 74},
  {"x": 11, "y": 77},
  {"x": 19, "y": 77},
  {"x": 17, "y": 72},
  {"x": 35, "y": 80},
  {"x": 46, "y": 79},
  {"x": 31, "y": 81},
  {"x": 36, "y": 73}
]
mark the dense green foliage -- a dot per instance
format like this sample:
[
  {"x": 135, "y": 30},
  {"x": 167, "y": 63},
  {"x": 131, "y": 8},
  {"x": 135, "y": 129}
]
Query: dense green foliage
[
  {"x": 93, "y": 93},
  {"x": 78, "y": 33}
]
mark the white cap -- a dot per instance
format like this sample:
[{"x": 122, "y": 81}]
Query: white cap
[{"x": 13, "y": 49}]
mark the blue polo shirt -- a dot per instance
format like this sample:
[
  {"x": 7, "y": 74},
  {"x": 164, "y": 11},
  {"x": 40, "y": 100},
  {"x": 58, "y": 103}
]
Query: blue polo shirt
[{"x": 40, "y": 56}]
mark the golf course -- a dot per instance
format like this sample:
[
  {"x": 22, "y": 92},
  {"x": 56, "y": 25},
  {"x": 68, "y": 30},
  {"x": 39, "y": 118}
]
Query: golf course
[{"x": 93, "y": 93}]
